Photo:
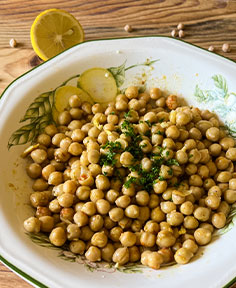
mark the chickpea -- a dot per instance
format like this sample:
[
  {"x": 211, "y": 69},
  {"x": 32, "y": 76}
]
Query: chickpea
[
  {"x": 215, "y": 149},
  {"x": 190, "y": 144},
  {"x": 103, "y": 206},
  {"x": 99, "y": 239},
  {"x": 73, "y": 232},
  {"x": 231, "y": 154},
  {"x": 175, "y": 218},
  {"x": 96, "y": 194},
  {"x": 152, "y": 227},
  {"x": 213, "y": 134},
  {"x": 74, "y": 101},
  {"x": 153, "y": 201},
  {"x": 46, "y": 223},
  {"x": 191, "y": 169},
  {"x": 107, "y": 252},
  {"x": 208, "y": 183},
  {"x": 116, "y": 214},
  {"x": 112, "y": 195},
  {"x": 183, "y": 255},
  {"x": 147, "y": 239},
  {"x": 96, "y": 222},
  {"x": 207, "y": 226},
  {"x": 214, "y": 190},
  {"x": 212, "y": 201},
  {"x": 157, "y": 214},
  {"x": 224, "y": 176},
  {"x": 77, "y": 135},
  {"x": 168, "y": 143},
  {"x": 218, "y": 220},
  {"x": 227, "y": 143},
  {"x": 128, "y": 239},
  {"x": 159, "y": 186},
  {"x": 66, "y": 200},
  {"x": 154, "y": 260},
  {"x": 102, "y": 182},
  {"x": 194, "y": 156},
  {"x": 40, "y": 198},
  {"x": 115, "y": 233},
  {"x": 186, "y": 208},
  {"x": 165, "y": 239},
  {"x": 121, "y": 256},
  {"x": 80, "y": 218},
  {"x": 142, "y": 198},
  {"x": 58, "y": 236},
  {"x": 230, "y": 196},
  {"x": 95, "y": 169},
  {"x": 126, "y": 159},
  {"x": 167, "y": 206},
  {"x": 32, "y": 225},
  {"x": 34, "y": 170},
  {"x": 77, "y": 247},
  {"x": 146, "y": 164},
  {"x": 202, "y": 213},
  {"x": 181, "y": 157},
  {"x": 177, "y": 197},
  {"x": 42, "y": 211},
  {"x": 121, "y": 105},
  {"x": 144, "y": 257},
  {"x": 89, "y": 208},
  {"x": 224, "y": 207},
  {"x": 93, "y": 254},
  {"x": 232, "y": 184},
  {"x": 51, "y": 130},
  {"x": 190, "y": 222},
  {"x": 39, "y": 156},
  {"x": 202, "y": 236},
  {"x": 223, "y": 186},
  {"x": 132, "y": 211},
  {"x": 123, "y": 201},
  {"x": 155, "y": 93},
  {"x": 83, "y": 192},
  {"x": 212, "y": 168},
  {"x": 86, "y": 233},
  {"x": 172, "y": 132},
  {"x": 144, "y": 213}
]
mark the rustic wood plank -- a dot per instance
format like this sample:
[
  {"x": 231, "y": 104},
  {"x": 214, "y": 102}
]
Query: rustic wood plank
[
  {"x": 8, "y": 279},
  {"x": 207, "y": 23}
]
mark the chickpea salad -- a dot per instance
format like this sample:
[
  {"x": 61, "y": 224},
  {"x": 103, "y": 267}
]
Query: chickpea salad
[{"x": 141, "y": 179}]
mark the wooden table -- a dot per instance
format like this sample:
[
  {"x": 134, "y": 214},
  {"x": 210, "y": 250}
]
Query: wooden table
[{"x": 208, "y": 22}]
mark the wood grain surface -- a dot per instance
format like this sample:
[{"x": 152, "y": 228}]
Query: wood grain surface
[{"x": 207, "y": 22}]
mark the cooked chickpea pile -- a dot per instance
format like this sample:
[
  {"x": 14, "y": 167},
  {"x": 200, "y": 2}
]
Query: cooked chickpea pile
[{"x": 140, "y": 180}]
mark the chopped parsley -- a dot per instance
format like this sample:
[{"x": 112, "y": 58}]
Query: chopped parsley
[
  {"x": 170, "y": 172},
  {"x": 159, "y": 133},
  {"x": 130, "y": 181},
  {"x": 148, "y": 123},
  {"x": 108, "y": 158},
  {"x": 172, "y": 162}
]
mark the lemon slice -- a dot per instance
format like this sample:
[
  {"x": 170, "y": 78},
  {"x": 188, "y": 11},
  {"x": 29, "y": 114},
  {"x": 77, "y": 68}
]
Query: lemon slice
[
  {"x": 61, "y": 98},
  {"x": 54, "y": 31},
  {"x": 99, "y": 83}
]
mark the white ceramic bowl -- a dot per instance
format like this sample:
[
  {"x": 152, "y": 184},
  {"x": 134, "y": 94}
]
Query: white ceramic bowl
[{"x": 202, "y": 78}]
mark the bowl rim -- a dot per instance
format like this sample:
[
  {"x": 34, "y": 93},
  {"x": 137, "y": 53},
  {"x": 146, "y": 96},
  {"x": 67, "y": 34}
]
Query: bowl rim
[{"x": 11, "y": 266}]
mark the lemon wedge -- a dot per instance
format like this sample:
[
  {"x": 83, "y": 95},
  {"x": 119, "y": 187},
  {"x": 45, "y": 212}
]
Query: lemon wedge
[
  {"x": 54, "y": 31},
  {"x": 61, "y": 98},
  {"x": 99, "y": 83}
]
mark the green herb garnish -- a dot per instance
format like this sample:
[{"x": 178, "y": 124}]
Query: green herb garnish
[{"x": 130, "y": 181}]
